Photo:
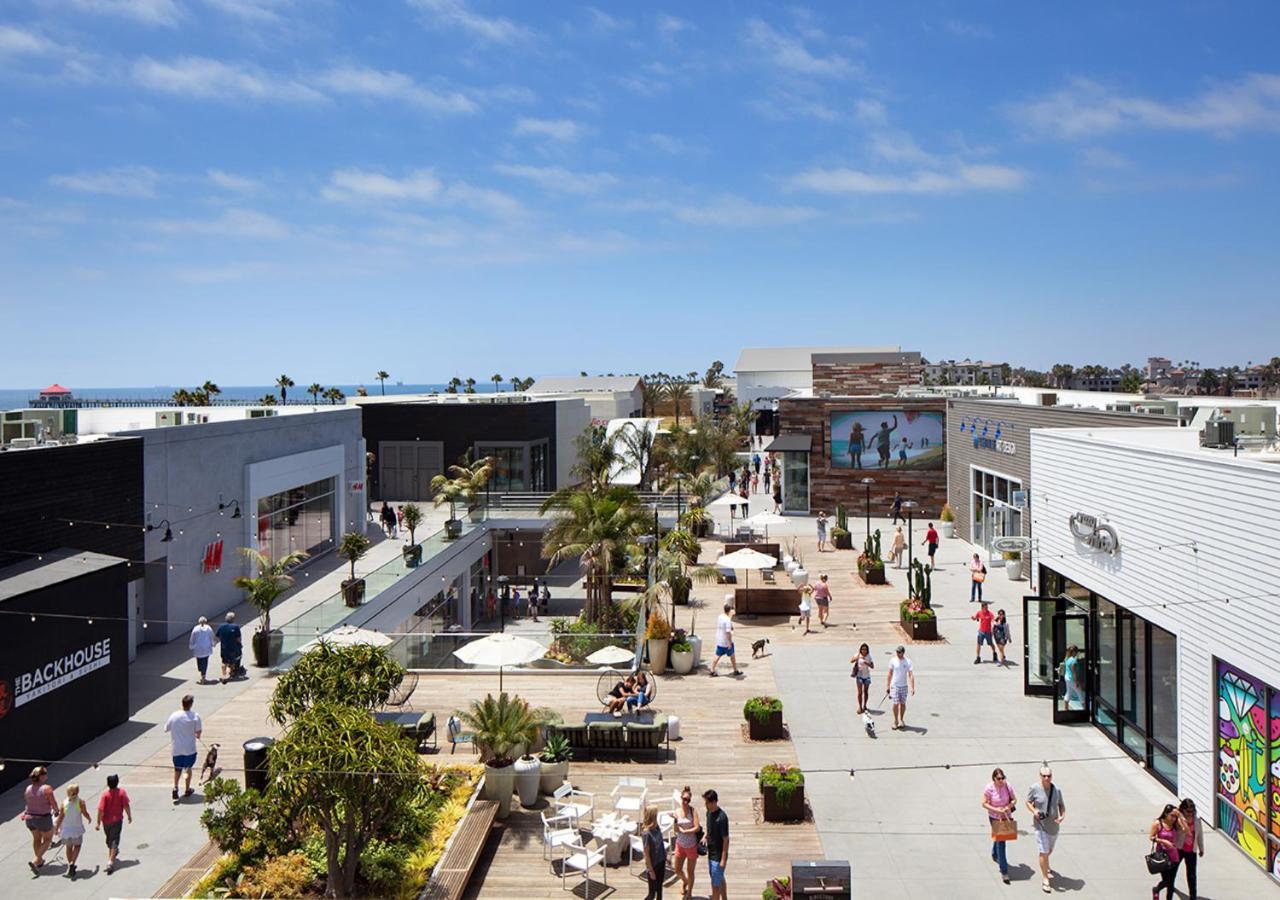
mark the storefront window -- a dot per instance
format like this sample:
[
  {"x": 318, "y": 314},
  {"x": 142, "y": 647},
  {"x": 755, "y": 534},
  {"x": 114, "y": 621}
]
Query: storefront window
[
  {"x": 299, "y": 519},
  {"x": 795, "y": 482},
  {"x": 994, "y": 515},
  {"x": 518, "y": 467}
]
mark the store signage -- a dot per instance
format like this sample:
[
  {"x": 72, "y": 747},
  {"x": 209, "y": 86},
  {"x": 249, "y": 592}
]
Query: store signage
[
  {"x": 987, "y": 435},
  {"x": 1092, "y": 533},
  {"x": 65, "y": 669}
]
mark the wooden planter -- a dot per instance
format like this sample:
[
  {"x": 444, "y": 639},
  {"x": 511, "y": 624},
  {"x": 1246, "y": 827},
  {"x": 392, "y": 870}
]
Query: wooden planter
[
  {"x": 768, "y": 730},
  {"x": 872, "y": 576},
  {"x": 792, "y": 811},
  {"x": 842, "y": 542},
  {"x": 921, "y": 629}
]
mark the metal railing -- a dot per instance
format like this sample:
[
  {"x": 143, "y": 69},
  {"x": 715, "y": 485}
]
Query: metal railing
[{"x": 433, "y": 651}]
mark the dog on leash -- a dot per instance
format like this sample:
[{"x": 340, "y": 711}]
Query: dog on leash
[
  {"x": 869, "y": 724},
  {"x": 757, "y": 647},
  {"x": 210, "y": 764}
]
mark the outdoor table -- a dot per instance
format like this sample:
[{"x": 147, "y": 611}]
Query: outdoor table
[{"x": 614, "y": 832}]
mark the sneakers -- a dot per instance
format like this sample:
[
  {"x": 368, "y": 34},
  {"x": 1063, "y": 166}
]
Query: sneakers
[
  {"x": 977, "y": 659},
  {"x": 1005, "y": 877},
  {"x": 175, "y": 795},
  {"x": 71, "y": 871}
]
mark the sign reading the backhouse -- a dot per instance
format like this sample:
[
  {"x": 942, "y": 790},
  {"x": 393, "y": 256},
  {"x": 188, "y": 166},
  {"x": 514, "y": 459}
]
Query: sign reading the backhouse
[{"x": 37, "y": 682}]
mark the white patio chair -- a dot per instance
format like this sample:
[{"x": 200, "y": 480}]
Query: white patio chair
[
  {"x": 558, "y": 831},
  {"x": 580, "y": 805},
  {"x": 629, "y": 796},
  {"x": 581, "y": 858}
]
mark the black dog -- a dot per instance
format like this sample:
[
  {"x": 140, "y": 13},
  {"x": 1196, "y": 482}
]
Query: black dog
[
  {"x": 210, "y": 764},
  {"x": 757, "y": 647}
]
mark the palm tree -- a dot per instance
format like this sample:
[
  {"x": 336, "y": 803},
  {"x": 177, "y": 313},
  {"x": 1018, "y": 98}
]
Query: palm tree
[
  {"x": 677, "y": 392},
  {"x": 382, "y": 380},
  {"x": 471, "y": 386},
  {"x": 599, "y": 526},
  {"x": 334, "y": 395},
  {"x": 634, "y": 443},
  {"x": 284, "y": 382},
  {"x": 314, "y": 390},
  {"x": 272, "y": 579},
  {"x": 714, "y": 376},
  {"x": 268, "y": 400},
  {"x": 462, "y": 482},
  {"x": 454, "y": 383},
  {"x": 597, "y": 456},
  {"x": 1229, "y": 378},
  {"x": 650, "y": 397},
  {"x": 181, "y": 397},
  {"x": 497, "y": 382},
  {"x": 210, "y": 389},
  {"x": 519, "y": 385}
]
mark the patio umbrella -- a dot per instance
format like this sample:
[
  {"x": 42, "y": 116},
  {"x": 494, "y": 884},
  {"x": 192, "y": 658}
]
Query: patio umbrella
[
  {"x": 766, "y": 519},
  {"x": 747, "y": 559},
  {"x": 350, "y": 636},
  {"x": 611, "y": 656},
  {"x": 500, "y": 650}
]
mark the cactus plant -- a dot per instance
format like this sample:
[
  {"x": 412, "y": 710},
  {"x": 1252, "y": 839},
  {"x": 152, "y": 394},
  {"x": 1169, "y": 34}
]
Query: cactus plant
[
  {"x": 920, "y": 584},
  {"x": 842, "y": 518},
  {"x": 871, "y": 547}
]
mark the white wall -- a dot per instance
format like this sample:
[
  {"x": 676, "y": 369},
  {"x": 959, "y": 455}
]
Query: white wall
[
  {"x": 572, "y": 418},
  {"x": 110, "y": 420},
  {"x": 753, "y": 386},
  {"x": 1160, "y": 499}
]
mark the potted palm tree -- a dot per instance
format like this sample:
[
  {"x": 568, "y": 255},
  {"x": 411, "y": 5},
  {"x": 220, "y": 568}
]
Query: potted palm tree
[
  {"x": 262, "y": 590},
  {"x": 555, "y": 763},
  {"x": 500, "y": 726},
  {"x": 352, "y": 547},
  {"x": 462, "y": 483},
  {"x": 412, "y": 519}
]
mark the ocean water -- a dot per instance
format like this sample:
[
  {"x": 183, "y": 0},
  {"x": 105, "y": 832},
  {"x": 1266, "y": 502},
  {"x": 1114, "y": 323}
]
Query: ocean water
[{"x": 15, "y": 398}]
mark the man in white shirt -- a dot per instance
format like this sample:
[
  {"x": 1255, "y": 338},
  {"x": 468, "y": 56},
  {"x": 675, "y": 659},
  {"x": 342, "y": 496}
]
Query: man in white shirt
[
  {"x": 184, "y": 728},
  {"x": 201, "y": 646},
  {"x": 901, "y": 677},
  {"x": 724, "y": 640}
]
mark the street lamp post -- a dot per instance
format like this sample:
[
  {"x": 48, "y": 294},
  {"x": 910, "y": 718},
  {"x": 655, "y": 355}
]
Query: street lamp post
[
  {"x": 680, "y": 477},
  {"x": 504, "y": 589},
  {"x": 910, "y": 506},
  {"x": 867, "y": 482}
]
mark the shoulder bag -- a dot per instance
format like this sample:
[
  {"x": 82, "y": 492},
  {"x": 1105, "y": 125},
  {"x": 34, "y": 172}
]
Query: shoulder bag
[
  {"x": 1005, "y": 829},
  {"x": 1158, "y": 861}
]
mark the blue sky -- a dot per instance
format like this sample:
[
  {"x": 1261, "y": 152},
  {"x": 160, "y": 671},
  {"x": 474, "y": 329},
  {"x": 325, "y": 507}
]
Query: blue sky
[{"x": 226, "y": 189}]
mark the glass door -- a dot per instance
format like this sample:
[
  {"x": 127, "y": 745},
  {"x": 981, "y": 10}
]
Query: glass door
[
  {"x": 1071, "y": 667},
  {"x": 1037, "y": 645}
]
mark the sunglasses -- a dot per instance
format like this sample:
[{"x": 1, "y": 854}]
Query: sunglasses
[{"x": 999, "y": 778}]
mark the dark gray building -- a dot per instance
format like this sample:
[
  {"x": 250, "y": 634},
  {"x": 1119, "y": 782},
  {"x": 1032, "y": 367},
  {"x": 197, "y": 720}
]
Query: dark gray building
[{"x": 989, "y": 459}]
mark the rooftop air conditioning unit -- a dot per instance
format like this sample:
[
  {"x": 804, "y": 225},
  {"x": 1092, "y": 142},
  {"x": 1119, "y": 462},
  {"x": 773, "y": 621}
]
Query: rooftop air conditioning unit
[
  {"x": 1218, "y": 433},
  {"x": 22, "y": 443}
]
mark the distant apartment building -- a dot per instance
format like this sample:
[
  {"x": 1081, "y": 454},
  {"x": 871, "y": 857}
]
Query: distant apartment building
[
  {"x": 964, "y": 372},
  {"x": 1158, "y": 369},
  {"x": 1106, "y": 382}
]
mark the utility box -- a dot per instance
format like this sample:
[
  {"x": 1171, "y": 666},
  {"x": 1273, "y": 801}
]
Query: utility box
[{"x": 821, "y": 878}]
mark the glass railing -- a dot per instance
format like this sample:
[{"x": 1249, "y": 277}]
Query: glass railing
[{"x": 435, "y": 651}]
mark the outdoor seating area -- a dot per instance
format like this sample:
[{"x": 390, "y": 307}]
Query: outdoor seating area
[{"x": 602, "y": 734}]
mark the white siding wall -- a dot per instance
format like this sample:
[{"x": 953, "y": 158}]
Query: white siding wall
[{"x": 1159, "y": 500}]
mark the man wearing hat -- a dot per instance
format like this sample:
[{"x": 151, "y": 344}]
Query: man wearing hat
[{"x": 901, "y": 677}]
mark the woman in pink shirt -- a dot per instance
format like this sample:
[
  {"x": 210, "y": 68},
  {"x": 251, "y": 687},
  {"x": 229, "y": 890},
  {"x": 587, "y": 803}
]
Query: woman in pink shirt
[
  {"x": 1168, "y": 833},
  {"x": 1193, "y": 846},
  {"x": 999, "y": 801},
  {"x": 822, "y": 596}
]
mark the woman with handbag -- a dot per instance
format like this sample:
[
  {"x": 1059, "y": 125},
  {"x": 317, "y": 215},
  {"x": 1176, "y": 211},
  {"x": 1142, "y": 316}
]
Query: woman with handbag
[
  {"x": 977, "y": 575},
  {"x": 1000, "y": 802},
  {"x": 1167, "y": 834}
]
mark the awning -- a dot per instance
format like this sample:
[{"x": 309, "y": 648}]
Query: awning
[{"x": 791, "y": 443}]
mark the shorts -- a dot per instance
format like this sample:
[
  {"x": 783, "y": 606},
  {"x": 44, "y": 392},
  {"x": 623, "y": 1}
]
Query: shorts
[
  {"x": 823, "y": 603},
  {"x": 717, "y": 872},
  {"x": 683, "y": 852},
  {"x": 984, "y": 637},
  {"x": 863, "y": 679},
  {"x": 933, "y": 549},
  {"x": 1045, "y": 841},
  {"x": 898, "y": 694},
  {"x": 72, "y": 840},
  {"x": 111, "y": 830},
  {"x": 40, "y": 824},
  {"x": 184, "y": 762},
  {"x": 724, "y": 651}
]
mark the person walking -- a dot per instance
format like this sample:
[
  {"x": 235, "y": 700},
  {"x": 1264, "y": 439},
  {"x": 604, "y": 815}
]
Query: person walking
[
  {"x": 1192, "y": 844},
  {"x": 717, "y": 844},
  {"x": 896, "y": 509},
  {"x": 901, "y": 677},
  {"x": 898, "y": 547},
  {"x": 1069, "y": 670},
  {"x": 41, "y": 807},
  {"x": 200, "y": 643},
  {"x": 546, "y": 599},
  {"x": 1047, "y": 808},
  {"x": 71, "y": 820},
  {"x": 777, "y": 496},
  {"x": 686, "y": 842},
  {"x": 822, "y": 596},
  {"x": 768, "y": 474},
  {"x": 755, "y": 481},
  {"x": 755, "y": 462},
  {"x": 724, "y": 640},
  {"x": 113, "y": 808},
  {"x": 231, "y": 648},
  {"x": 733, "y": 479},
  {"x": 977, "y": 575},
  {"x": 984, "y": 618},
  {"x": 805, "y": 593},
  {"x": 1000, "y": 803},
  {"x": 862, "y": 666},
  {"x": 822, "y": 530},
  {"x": 1000, "y": 634},
  {"x": 655, "y": 854},
  {"x": 184, "y": 728},
  {"x": 1167, "y": 832},
  {"x": 931, "y": 541},
  {"x": 533, "y": 601},
  {"x": 388, "y": 519}
]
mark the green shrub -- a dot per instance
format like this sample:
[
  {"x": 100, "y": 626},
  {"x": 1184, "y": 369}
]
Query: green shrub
[
  {"x": 682, "y": 647},
  {"x": 280, "y": 876},
  {"x": 760, "y": 708},
  {"x": 777, "y": 889},
  {"x": 383, "y": 866},
  {"x": 783, "y": 779},
  {"x": 910, "y": 609}
]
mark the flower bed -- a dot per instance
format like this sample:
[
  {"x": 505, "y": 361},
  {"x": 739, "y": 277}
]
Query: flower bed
[
  {"x": 764, "y": 719},
  {"x": 920, "y": 622},
  {"x": 782, "y": 790}
]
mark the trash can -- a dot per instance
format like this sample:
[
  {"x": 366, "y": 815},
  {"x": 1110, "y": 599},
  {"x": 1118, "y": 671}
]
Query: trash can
[
  {"x": 821, "y": 878},
  {"x": 256, "y": 751}
]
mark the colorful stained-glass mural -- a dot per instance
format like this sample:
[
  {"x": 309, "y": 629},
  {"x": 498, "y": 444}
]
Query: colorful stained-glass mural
[{"x": 1248, "y": 761}]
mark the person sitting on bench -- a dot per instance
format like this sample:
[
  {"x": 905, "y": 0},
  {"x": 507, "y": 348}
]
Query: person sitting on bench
[
  {"x": 620, "y": 694},
  {"x": 639, "y": 691}
]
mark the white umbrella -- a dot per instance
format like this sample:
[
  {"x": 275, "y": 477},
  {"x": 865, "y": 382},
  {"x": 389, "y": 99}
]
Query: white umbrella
[
  {"x": 350, "y": 636},
  {"x": 612, "y": 655},
  {"x": 766, "y": 519},
  {"x": 500, "y": 650},
  {"x": 747, "y": 559}
]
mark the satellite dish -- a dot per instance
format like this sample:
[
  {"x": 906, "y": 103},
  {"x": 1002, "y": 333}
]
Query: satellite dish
[{"x": 1011, "y": 544}]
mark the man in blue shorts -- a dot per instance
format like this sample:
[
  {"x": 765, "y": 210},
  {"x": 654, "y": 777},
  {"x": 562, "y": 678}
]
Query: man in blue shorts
[
  {"x": 724, "y": 640},
  {"x": 717, "y": 845},
  {"x": 184, "y": 728}
]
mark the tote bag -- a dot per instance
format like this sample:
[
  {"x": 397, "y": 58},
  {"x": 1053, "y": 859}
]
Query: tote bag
[{"x": 1004, "y": 830}]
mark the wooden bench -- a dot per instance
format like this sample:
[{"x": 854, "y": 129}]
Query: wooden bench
[{"x": 453, "y": 871}]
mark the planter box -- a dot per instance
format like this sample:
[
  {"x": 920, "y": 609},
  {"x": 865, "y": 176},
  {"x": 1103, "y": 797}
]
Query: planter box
[
  {"x": 842, "y": 542},
  {"x": 452, "y": 528},
  {"x": 353, "y": 592},
  {"x": 769, "y": 730},
  {"x": 921, "y": 629},
  {"x": 412, "y": 555},
  {"x": 267, "y": 648},
  {"x": 768, "y": 601},
  {"x": 792, "y": 811},
  {"x": 873, "y": 576}
]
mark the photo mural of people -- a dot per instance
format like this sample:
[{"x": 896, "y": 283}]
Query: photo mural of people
[
  {"x": 887, "y": 439},
  {"x": 1249, "y": 763}
]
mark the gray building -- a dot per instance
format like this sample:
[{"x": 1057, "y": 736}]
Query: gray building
[{"x": 989, "y": 459}]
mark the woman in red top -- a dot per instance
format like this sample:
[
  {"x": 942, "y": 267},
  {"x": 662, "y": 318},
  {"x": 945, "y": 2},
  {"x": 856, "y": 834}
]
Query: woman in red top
[
  {"x": 1193, "y": 846},
  {"x": 999, "y": 802}
]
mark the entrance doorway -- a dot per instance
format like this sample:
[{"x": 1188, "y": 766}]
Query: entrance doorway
[
  {"x": 405, "y": 468},
  {"x": 1057, "y": 648}
]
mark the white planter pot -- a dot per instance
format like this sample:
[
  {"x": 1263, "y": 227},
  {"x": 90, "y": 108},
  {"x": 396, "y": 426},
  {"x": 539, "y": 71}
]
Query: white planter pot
[
  {"x": 799, "y": 577},
  {"x": 947, "y": 529},
  {"x": 528, "y": 779},
  {"x": 552, "y": 776},
  {"x": 658, "y": 654},
  {"x": 786, "y": 558},
  {"x": 498, "y": 784},
  {"x": 697, "y": 649},
  {"x": 682, "y": 661},
  {"x": 791, "y": 566},
  {"x": 1013, "y": 568}
]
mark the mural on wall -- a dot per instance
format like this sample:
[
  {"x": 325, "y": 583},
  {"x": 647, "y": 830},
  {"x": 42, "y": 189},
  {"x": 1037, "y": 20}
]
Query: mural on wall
[
  {"x": 887, "y": 439},
  {"x": 1248, "y": 758}
]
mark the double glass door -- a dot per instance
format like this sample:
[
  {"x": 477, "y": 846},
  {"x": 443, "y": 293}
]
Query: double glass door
[{"x": 1057, "y": 653}]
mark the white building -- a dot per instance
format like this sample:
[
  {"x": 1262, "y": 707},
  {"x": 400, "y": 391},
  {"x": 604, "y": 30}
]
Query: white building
[
  {"x": 1157, "y": 559},
  {"x": 607, "y": 396},
  {"x": 766, "y": 374},
  {"x": 964, "y": 372}
]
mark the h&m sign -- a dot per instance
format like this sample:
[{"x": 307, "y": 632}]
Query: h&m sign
[{"x": 1092, "y": 533}]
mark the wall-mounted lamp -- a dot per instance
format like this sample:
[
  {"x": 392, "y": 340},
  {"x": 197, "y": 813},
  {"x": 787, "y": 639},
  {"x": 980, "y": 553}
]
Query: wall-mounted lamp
[
  {"x": 168, "y": 532},
  {"x": 229, "y": 503}
]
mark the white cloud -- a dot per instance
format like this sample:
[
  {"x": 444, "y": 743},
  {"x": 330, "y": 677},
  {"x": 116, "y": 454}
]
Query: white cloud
[
  {"x": 18, "y": 42},
  {"x": 727, "y": 211},
  {"x": 669, "y": 144},
  {"x": 212, "y": 79},
  {"x": 897, "y": 147},
  {"x": 483, "y": 199},
  {"x": 229, "y": 181},
  {"x": 870, "y": 112},
  {"x": 555, "y": 178},
  {"x": 421, "y": 186},
  {"x": 389, "y": 85},
  {"x": 670, "y": 26},
  {"x": 1085, "y": 109},
  {"x": 789, "y": 52},
  {"x": 458, "y": 14},
  {"x": 922, "y": 181},
  {"x": 235, "y": 223},
  {"x": 122, "y": 181},
  {"x": 164, "y": 13},
  {"x": 565, "y": 130},
  {"x": 785, "y": 105},
  {"x": 603, "y": 23},
  {"x": 255, "y": 12}
]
